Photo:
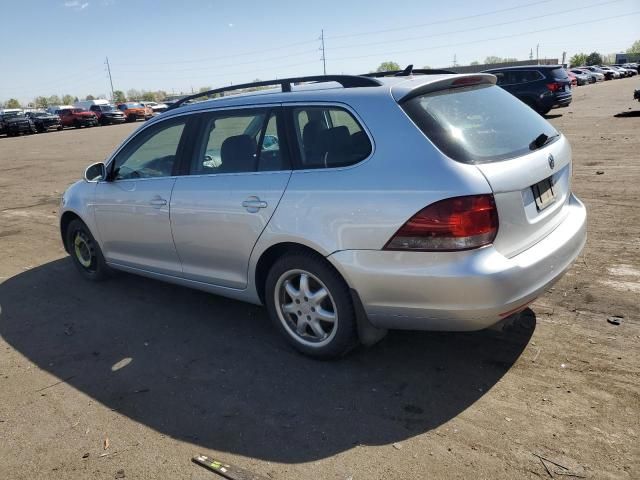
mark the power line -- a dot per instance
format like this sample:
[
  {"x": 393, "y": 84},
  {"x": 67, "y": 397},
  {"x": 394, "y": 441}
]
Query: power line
[
  {"x": 217, "y": 67},
  {"x": 379, "y": 54},
  {"x": 484, "y": 27},
  {"x": 438, "y": 22},
  {"x": 222, "y": 57}
]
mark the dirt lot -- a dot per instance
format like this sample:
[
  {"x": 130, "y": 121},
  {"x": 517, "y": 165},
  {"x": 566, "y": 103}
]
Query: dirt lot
[{"x": 165, "y": 373}]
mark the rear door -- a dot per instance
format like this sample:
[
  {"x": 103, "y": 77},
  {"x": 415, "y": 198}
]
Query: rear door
[{"x": 234, "y": 181}]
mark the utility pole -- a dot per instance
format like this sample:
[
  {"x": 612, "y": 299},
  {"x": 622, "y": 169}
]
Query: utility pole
[
  {"x": 538, "y": 53},
  {"x": 110, "y": 79},
  {"x": 531, "y": 54},
  {"x": 564, "y": 56},
  {"x": 324, "y": 59},
  {"x": 455, "y": 60}
]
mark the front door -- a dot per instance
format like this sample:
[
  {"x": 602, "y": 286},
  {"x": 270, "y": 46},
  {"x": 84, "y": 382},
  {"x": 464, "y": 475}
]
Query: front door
[
  {"x": 236, "y": 178},
  {"x": 132, "y": 208}
]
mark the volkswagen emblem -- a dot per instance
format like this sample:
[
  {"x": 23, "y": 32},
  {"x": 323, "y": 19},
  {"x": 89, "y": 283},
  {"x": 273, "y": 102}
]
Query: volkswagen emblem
[{"x": 552, "y": 162}]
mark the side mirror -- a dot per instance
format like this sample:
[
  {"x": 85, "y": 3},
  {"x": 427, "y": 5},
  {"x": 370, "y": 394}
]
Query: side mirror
[{"x": 95, "y": 172}]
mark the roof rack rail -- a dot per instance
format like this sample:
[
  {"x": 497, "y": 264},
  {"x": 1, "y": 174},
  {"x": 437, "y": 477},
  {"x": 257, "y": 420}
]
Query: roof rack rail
[
  {"x": 347, "y": 81},
  {"x": 408, "y": 71}
]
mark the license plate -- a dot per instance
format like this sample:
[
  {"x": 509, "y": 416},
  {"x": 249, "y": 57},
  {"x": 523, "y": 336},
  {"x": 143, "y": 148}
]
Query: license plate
[{"x": 543, "y": 194}]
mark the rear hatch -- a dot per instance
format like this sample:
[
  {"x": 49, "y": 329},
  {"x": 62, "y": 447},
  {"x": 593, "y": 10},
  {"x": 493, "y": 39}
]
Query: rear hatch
[{"x": 525, "y": 160}]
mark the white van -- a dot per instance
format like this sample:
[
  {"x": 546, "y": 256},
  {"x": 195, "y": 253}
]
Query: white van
[{"x": 87, "y": 104}]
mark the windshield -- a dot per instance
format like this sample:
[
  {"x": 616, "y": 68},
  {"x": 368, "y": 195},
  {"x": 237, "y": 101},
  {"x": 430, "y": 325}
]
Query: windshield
[
  {"x": 134, "y": 105},
  {"x": 107, "y": 108},
  {"x": 12, "y": 114},
  {"x": 478, "y": 124},
  {"x": 78, "y": 110}
]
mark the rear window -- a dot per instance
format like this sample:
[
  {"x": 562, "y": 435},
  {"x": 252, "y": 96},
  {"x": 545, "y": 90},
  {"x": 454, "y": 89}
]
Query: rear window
[
  {"x": 559, "y": 73},
  {"x": 329, "y": 137},
  {"x": 477, "y": 124}
]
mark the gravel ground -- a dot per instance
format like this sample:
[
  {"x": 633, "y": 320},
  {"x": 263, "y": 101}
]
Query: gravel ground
[{"x": 157, "y": 373}]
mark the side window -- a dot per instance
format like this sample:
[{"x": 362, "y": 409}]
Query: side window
[
  {"x": 329, "y": 137},
  {"x": 230, "y": 143},
  {"x": 500, "y": 78},
  {"x": 240, "y": 141},
  {"x": 151, "y": 154}
]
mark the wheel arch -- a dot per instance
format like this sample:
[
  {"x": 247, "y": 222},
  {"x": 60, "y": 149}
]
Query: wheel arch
[
  {"x": 66, "y": 218},
  {"x": 272, "y": 254}
]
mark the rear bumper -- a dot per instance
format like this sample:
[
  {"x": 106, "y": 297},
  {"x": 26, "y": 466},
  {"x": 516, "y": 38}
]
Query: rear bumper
[{"x": 459, "y": 291}]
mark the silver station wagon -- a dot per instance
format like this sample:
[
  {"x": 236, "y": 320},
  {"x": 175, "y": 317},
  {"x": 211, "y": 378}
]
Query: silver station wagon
[{"x": 347, "y": 205}]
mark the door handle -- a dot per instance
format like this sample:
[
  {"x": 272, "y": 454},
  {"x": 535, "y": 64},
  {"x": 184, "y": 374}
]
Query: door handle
[
  {"x": 253, "y": 204},
  {"x": 158, "y": 202}
]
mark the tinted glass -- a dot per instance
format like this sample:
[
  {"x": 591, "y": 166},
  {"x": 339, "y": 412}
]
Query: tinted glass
[
  {"x": 477, "y": 124},
  {"x": 329, "y": 137},
  {"x": 230, "y": 143},
  {"x": 559, "y": 73},
  {"x": 151, "y": 154}
]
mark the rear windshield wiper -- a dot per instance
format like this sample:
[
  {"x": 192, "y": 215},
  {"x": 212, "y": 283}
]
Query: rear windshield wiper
[{"x": 541, "y": 140}]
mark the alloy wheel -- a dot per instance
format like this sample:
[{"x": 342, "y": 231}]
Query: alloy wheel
[{"x": 306, "y": 308}]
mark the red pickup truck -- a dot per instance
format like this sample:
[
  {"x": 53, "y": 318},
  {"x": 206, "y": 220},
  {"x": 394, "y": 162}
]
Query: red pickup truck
[{"x": 77, "y": 117}]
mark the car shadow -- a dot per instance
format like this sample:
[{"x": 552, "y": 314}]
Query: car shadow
[
  {"x": 213, "y": 372},
  {"x": 633, "y": 113},
  {"x": 550, "y": 117}
]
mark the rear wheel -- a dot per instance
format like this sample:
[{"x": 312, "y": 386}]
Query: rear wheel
[
  {"x": 310, "y": 304},
  {"x": 76, "y": 124},
  {"x": 85, "y": 252}
]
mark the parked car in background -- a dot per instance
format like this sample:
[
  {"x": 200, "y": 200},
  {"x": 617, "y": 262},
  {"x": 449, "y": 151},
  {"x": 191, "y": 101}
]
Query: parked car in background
[
  {"x": 628, "y": 72},
  {"x": 636, "y": 95},
  {"x": 614, "y": 73},
  {"x": 608, "y": 75},
  {"x": 542, "y": 87},
  {"x": 581, "y": 77},
  {"x": 108, "y": 114},
  {"x": 573, "y": 79},
  {"x": 135, "y": 111},
  {"x": 45, "y": 121},
  {"x": 156, "y": 107},
  {"x": 14, "y": 122},
  {"x": 455, "y": 220},
  {"x": 593, "y": 76},
  {"x": 77, "y": 118}
]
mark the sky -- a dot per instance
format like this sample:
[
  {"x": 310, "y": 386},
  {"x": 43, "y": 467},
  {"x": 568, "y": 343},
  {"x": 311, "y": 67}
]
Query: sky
[{"x": 60, "y": 46}]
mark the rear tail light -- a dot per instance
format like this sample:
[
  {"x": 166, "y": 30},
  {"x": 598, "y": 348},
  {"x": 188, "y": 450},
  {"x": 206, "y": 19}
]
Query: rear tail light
[
  {"x": 554, "y": 87},
  {"x": 458, "y": 223}
]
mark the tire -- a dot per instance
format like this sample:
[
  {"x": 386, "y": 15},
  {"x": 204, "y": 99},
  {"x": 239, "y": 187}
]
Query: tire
[
  {"x": 76, "y": 124},
  {"x": 543, "y": 111},
  {"x": 60, "y": 128},
  {"x": 85, "y": 252},
  {"x": 309, "y": 329}
]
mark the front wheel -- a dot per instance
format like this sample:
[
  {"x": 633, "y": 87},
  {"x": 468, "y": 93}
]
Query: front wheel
[
  {"x": 310, "y": 304},
  {"x": 85, "y": 252}
]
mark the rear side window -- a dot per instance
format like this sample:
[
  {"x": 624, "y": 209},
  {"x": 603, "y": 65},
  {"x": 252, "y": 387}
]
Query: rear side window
[
  {"x": 478, "y": 124},
  {"x": 329, "y": 137}
]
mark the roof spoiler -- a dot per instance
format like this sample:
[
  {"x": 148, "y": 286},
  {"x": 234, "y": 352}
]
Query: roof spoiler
[{"x": 407, "y": 90}]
